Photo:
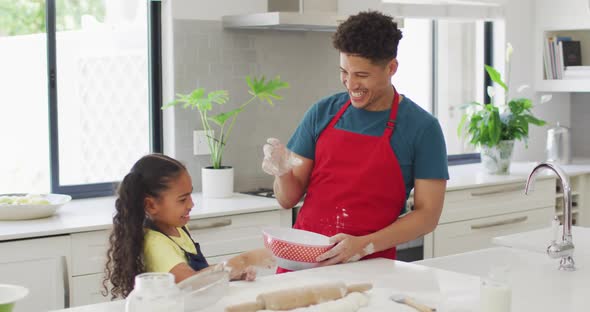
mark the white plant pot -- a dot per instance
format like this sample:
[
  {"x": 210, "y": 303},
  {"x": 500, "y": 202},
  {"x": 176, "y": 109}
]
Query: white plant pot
[{"x": 217, "y": 183}]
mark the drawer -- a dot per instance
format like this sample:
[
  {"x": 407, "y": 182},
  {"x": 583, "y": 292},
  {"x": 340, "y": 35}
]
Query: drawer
[
  {"x": 89, "y": 252},
  {"x": 458, "y": 237},
  {"x": 232, "y": 234},
  {"x": 494, "y": 200},
  {"x": 87, "y": 289}
]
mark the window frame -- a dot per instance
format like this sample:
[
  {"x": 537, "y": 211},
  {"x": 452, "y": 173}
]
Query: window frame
[
  {"x": 155, "y": 100},
  {"x": 488, "y": 50}
]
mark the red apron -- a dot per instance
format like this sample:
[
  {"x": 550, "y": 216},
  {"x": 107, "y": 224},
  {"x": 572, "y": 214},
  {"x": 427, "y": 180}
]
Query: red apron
[{"x": 356, "y": 186}]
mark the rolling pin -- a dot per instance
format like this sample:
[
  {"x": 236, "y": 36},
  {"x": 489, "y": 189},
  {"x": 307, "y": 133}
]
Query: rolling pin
[{"x": 288, "y": 299}]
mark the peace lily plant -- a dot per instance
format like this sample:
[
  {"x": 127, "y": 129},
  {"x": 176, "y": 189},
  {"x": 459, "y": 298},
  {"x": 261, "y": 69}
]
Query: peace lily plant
[{"x": 495, "y": 128}]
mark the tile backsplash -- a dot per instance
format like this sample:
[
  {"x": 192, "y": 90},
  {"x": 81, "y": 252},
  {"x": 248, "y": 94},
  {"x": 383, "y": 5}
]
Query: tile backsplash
[{"x": 208, "y": 56}]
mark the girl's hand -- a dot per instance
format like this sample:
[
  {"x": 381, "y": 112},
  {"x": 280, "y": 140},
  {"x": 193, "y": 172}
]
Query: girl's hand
[
  {"x": 243, "y": 266},
  {"x": 239, "y": 269}
]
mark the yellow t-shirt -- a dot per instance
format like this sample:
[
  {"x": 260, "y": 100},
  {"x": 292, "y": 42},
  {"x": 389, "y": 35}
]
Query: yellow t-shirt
[{"x": 161, "y": 254}]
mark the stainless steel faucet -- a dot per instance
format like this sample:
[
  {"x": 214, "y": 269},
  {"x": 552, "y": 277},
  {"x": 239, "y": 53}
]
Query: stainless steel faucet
[{"x": 563, "y": 249}]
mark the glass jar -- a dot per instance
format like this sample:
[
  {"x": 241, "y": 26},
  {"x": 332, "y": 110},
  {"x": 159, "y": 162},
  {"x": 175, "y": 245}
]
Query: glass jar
[
  {"x": 155, "y": 292},
  {"x": 495, "y": 291}
]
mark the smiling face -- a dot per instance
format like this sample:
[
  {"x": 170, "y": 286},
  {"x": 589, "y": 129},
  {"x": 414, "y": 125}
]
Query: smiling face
[
  {"x": 172, "y": 207},
  {"x": 368, "y": 84}
]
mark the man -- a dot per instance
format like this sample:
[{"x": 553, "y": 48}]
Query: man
[{"x": 358, "y": 154}]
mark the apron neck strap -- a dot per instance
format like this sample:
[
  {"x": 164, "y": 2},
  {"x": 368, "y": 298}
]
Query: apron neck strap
[
  {"x": 390, "y": 125},
  {"x": 392, "y": 115}
]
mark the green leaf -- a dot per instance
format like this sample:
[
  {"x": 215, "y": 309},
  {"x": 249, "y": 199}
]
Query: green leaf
[
  {"x": 265, "y": 90},
  {"x": 218, "y": 96},
  {"x": 221, "y": 119},
  {"x": 495, "y": 76}
]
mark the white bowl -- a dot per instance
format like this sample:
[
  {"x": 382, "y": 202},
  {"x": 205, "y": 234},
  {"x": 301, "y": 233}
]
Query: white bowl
[
  {"x": 204, "y": 289},
  {"x": 295, "y": 249},
  {"x": 30, "y": 211},
  {"x": 9, "y": 295}
]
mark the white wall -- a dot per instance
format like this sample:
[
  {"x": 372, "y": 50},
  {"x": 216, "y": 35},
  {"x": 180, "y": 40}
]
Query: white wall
[
  {"x": 520, "y": 31},
  {"x": 208, "y": 10}
]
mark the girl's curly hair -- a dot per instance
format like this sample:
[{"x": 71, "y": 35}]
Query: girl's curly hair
[
  {"x": 149, "y": 176},
  {"x": 370, "y": 34}
]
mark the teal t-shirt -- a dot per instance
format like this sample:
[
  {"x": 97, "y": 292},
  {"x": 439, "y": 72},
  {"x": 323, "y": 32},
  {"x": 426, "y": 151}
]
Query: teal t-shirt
[{"x": 417, "y": 141}]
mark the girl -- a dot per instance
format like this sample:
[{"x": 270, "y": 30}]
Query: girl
[{"x": 153, "y": 206}]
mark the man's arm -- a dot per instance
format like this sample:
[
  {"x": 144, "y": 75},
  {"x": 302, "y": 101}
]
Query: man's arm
[
  {"x": 428, "y": 202},
  {"x": 429, "y": 196},
  {"x": 290, "y": 187}
]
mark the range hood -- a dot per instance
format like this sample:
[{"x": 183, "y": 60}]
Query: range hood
[{"x": 297, "y": 15}]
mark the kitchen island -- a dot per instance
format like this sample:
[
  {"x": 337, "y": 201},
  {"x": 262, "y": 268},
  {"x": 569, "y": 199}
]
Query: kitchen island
[
  {"x": 450, "y": 283},
  {"x": 64, "y": 254},
  {"x": 447, "y": 291}
]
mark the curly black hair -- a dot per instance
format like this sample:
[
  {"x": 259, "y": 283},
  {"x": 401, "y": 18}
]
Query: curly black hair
[
  {"x": 149, "y": 176},
  {"x": 371, "y": 34}
]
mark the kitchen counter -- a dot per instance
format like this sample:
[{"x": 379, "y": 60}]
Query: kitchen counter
[
  {"x": 83, "y": 215},
  {"x": 536, "y": 283},
  {"x": 537, "y": 241},
  {"x": 442, "y": 289},
  {"x": 92, "y": 214},
  {"x": 473, "y": 175},
  {"x": 450, "y": 283}
]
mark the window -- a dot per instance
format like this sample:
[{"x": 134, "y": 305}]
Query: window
[
  {"x": 441, "y": 69},
  {"x": 460, "y": 76},
  {"x": 100, "y": 122},
  {"x": 415, "y": 69},
  {"x": 24, "y": 165}
]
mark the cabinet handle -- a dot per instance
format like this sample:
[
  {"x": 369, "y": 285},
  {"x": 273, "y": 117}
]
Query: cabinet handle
[
  {"x": 498, "y": 223},
  {"x": 66, "y": 279},
  {"x": 511, "y": 188},
  {"x": 213, "y": 224}
]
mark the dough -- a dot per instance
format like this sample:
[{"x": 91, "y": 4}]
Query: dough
[{"x": 350, "y": 303}]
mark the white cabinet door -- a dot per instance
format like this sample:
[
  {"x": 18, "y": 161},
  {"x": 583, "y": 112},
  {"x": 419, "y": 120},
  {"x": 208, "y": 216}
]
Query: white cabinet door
[
  {"x": 233, "y": 234},
  {"x": 89, "y": 252},
  {"x": 463, "y": 236},
  {"x": 87, "y": 289},
  {"x": 41, "y": 266}
]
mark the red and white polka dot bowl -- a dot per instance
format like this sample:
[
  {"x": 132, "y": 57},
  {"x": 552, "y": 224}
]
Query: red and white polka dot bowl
[{"x": 295, "y": 249}]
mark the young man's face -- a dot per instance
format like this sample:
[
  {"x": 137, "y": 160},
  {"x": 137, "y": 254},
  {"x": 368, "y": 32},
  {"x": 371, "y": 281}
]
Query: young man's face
[{"x": 368, "y": 84}]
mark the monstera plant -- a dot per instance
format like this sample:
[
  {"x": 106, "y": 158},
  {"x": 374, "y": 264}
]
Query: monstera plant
[{"x": 219, "y": 126}]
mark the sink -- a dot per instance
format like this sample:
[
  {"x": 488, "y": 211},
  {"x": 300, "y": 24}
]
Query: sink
[{"x": 538, "y": 240}]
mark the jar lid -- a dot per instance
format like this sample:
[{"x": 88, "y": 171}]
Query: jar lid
[{"x": 558, "y": 126}]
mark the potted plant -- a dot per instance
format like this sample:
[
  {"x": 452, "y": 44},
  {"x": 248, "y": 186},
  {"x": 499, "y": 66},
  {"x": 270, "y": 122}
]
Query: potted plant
[
  {"x": 217, "y": 180},
  {"x": 495, "y": 128}
]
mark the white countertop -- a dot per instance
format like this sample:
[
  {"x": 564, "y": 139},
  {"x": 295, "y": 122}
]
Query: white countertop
[
  {"x": 93, "y": 214},
  {"x": 538, "y": 240},
  {"x": 474, "y": 175},
  {"x": 447, "y": 291},
  {"x": 536, "y": 283}
]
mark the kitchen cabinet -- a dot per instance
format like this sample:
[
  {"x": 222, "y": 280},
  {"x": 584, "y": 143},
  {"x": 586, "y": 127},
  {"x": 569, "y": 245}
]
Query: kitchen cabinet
[
  {"x": 89, "y": 252},
  {"x": 220, "y": 238},
  {"x": 471, "y": 217},
  {"x": 41, "y": 265},
  {"x": 224, "y": 237},
  {"x": 61, "y": 259},
  {"x": 570, "y": 18},
  {"x": 580, "y": 192}
]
